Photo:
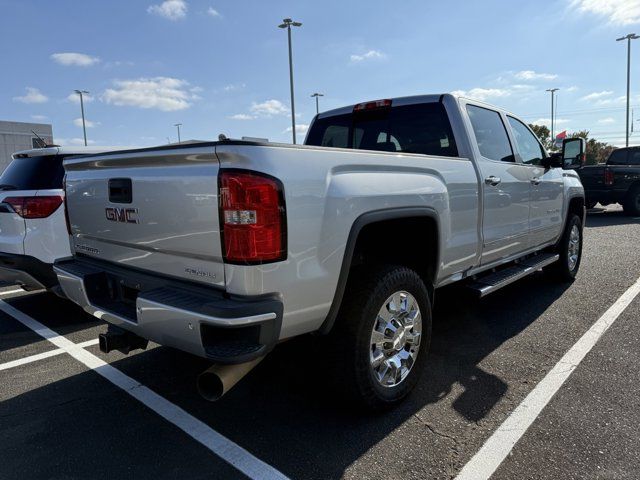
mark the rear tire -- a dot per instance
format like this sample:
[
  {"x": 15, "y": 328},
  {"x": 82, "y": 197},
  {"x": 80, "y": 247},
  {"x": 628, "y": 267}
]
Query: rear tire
[
  {"x": 631, "y": 204},
  {"x": 570, "y": 250},
  {"x": 381, "y": 337}
]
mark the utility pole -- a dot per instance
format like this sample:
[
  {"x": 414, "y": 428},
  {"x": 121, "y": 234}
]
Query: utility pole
[
  {"x": 178, "y": 125},
  {"x": 288, "y": 23},
  {"x": 553, "y": 137},
  {"x": 317, "y": 95},
  {"x": 628, "y": 38},
  {"x": 84, "y": 126}
]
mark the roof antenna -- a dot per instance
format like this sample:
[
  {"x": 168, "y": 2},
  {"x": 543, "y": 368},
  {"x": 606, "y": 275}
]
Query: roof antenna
[{"x": 42, "y": 142}]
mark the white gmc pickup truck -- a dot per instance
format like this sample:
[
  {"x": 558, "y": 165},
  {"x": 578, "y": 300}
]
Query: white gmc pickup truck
[{"x": 223, "y": 249}]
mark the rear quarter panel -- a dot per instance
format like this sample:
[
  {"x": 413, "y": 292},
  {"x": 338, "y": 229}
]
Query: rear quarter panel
[{"x": 326, "y": 190}]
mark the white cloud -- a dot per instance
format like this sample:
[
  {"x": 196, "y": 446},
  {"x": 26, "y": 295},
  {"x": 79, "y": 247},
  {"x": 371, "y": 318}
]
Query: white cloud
[
  {"x": 75, "y": 98},
  {"x": 33, "y": 95},
  {"x": 213, "y": 12},
  {"x": 617, "y": 12},
  {"x": 241, "y": 116},
  {"x": 39, "y": 118},
  {"x": 170, "y": 9},
  {"x": 483, "y": 93},
  {"x": 232, "y": 87},
  {"x": 370, "y": 55},
  {"x": 73, "y": 142},
  {"x": 597, "y": 95},
  {"x": 571, "y": 89},
  {"x": 74, "y": 59},
  {"x": 89, "y": 124},
  {"x": 606, "y": 121},
  {"x": 301, "y": 128},
  {"x": 528, "y": 75},
  {"x": 269, "y": 108},
  {"x": 162, "y": 93},
  {"x": 547, "y": 122}
]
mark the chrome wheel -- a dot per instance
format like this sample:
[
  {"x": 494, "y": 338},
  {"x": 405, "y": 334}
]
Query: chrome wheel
[
  {"x": 395, "y": 339},
  {"x": 574, "y": 248}
]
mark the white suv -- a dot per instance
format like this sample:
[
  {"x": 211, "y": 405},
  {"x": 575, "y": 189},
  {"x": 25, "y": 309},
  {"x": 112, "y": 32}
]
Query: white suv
[{"x": 33, "y": 232}]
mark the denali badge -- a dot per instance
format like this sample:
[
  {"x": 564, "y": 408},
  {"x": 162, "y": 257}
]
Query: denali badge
[{"x": 123, "y": 215}]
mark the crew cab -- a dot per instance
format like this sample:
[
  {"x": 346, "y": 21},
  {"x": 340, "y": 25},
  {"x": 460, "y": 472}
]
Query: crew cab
[
  {"x": 223, "y": 249},
  {"x": 33, "y": 234},
  {"x": 616, "y": 181}
]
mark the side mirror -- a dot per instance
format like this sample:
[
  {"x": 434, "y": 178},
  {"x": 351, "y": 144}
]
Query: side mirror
[
  {"x": 573, "y": 153},
  {"x": 554, "y": 160}
]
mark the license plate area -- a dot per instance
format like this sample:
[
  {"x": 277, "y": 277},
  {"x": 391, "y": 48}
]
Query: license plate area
[{"x": 113, "y": 293}]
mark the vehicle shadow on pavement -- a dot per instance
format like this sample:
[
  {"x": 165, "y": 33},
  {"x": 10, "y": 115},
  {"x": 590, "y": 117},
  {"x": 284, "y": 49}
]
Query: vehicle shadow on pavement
[
  {"x": 58, "y": 314},
  {"x": 598, "y": 217},
  {"x": 283, "y": 412}
]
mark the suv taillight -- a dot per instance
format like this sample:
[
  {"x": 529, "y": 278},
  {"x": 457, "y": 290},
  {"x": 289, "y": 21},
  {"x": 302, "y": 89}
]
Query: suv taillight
[
  {"x": 34, "y": 207},
  {"x": 252, "y": 217},
  {"x": 608, "y": 177}
]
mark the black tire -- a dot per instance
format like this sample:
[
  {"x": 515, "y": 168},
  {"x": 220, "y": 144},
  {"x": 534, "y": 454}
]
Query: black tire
[
  {"x": 562, "y": 270},
  {"x": 631, "y": 204},
  {"x": 591, "y": 203},
  {"x": 350, "y": 339}
]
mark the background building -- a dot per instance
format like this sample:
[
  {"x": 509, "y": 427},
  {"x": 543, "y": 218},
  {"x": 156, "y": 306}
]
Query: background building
[{"x": 16, "y": 136}]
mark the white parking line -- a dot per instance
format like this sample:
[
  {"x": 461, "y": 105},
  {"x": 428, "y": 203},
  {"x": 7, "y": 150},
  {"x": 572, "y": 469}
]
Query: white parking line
[
  {"x": 223, "y": 447},
  {"x": 31, "y": 358},
  {"x": 486, "y": 461}
]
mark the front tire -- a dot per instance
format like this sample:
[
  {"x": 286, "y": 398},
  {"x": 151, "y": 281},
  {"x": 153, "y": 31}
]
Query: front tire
[
  {"x": 381, "y": 337},
  {"x": 631, "y": 204},
  {"x": 570, "y": 250}
]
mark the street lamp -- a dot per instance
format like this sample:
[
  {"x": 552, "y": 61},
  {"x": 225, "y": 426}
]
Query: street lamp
[
  {"x": 84, "y": 127},
  {"x": 178, "y": 125},
  {"x": 288, "y": 23},
  {"x": 317, "y": 95},
  {"x": 628, "y": 38},
  {"x": 553, "y": 91}
]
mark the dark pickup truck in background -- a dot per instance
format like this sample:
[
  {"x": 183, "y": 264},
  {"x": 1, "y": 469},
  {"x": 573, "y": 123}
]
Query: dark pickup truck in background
[{"x": 617, "y": 181}]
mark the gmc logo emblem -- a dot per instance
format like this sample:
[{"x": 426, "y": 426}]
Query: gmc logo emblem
[{"x": 122, "y": 215}]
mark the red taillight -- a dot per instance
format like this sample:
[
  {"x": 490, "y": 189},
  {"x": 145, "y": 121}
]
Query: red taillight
[
  {"x": 252, "y": 216},
  {"x": 360, "y": 107},
  {"x": 34, "y": 207},
  {"x": 608, "y": 177}
]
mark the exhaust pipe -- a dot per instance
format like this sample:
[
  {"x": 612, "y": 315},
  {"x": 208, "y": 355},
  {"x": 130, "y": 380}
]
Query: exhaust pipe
[
  {"x": 119, "y": 339},
  {"x": 217, "y": 380}
]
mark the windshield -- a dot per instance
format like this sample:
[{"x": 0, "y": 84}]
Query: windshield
[
  {"x": 421, "y": 128},
  {"x": 33, "y": 173}
]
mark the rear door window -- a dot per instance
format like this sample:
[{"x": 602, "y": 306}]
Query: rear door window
[
  {"x": 33, "y": 173},
  {"x": 490, "y": 133},
  {"x": 618, "y": 157},
  {"x": 420, "y": 128}
]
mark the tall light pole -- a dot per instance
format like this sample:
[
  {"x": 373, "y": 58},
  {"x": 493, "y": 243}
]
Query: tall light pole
[
  {"x": 553, "y": 91},
  {"x": 628, "y": 38},
  {"x": 178, "y": 125},
  {"x": 84, "y": 126},
  {"x": 288, "y": 23},
  {"x": 317, "y": 95}
]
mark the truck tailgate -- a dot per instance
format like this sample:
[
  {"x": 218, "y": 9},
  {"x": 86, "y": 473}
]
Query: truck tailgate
[{"x": 156, "y": 210}]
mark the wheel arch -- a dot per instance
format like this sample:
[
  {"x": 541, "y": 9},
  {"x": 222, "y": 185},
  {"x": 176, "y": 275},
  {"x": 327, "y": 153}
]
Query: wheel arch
[{"x": 365, "y": 223}]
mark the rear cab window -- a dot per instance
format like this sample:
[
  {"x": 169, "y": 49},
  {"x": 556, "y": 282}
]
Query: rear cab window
[
  {"x": 33, "y": 173},
  {"x": 421, "y": 128}
]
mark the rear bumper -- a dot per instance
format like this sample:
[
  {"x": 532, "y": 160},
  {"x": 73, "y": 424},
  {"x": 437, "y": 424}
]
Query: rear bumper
[
  {"x": 196, "y": 319},
  {"x": 27, "y": 271}
]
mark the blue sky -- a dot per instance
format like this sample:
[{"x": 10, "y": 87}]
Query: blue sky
[{"x": 220, "y": 66}]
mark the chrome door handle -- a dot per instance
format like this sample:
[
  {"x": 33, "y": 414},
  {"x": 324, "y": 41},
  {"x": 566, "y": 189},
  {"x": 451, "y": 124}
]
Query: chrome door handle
[
  {"x": 535, "y": 181},
  {"x": 492, "y": 180}
]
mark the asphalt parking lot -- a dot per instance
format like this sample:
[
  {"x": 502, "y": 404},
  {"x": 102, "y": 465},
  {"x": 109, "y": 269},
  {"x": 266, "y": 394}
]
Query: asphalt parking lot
[{"x": 72, "y": 412}]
